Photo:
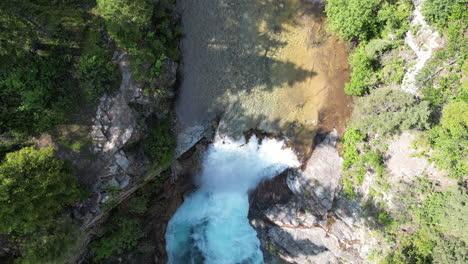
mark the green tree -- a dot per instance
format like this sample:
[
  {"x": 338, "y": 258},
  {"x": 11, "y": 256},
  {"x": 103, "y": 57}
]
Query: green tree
[
  {"x": 450, "y": 139},
  {"x": 395, "y": 16},
  {"x": 50, "y": 245},
  {"x": 97, "y": 72},
  {"x": 440, "y": 11},
  {"x": 450, "y": 250},
  {"x": 121, "y": 234},
  {"x": 160, "y": 144},
  {"x": 363, "y": 75},
  {"x": 386, "y": 111},
  {"x": 354, "y": 19},
  {"x": 126, "y": 19},
  {"x": 350, "y": 141},
  {"x": 34, "y": 187}
]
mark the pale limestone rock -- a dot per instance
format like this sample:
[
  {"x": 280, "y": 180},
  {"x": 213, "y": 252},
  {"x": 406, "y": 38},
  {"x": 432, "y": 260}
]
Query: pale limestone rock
[
  {"x": 316, "y": 225},
  {"x": 321, "y": 177}
]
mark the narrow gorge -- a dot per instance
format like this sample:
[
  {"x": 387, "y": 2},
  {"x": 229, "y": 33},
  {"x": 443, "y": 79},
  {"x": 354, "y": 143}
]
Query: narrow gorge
[
  {"x": 233, "y": 131},
  {"x": 262, "y": 67}
]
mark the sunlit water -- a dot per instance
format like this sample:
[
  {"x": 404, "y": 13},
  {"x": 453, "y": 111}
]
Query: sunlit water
[{"x": 211, "y": 226}]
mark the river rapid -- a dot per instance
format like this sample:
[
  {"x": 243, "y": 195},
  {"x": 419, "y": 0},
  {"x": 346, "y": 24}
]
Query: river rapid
[{"x": 254, "y": 64}]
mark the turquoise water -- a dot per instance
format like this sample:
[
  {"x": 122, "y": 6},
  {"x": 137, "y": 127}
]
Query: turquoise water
[{"x": 211, "y": 226}]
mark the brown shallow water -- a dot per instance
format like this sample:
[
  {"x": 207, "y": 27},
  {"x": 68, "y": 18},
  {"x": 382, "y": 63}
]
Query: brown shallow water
[{"x": 262, "y": 64}]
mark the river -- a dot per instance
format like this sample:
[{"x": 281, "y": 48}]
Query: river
[
  {"x": 254, "y": 64},
  {"x": 262, "y": 64}
]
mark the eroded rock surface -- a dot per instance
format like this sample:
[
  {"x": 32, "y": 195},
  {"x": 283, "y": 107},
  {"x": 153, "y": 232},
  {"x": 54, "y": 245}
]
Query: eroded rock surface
[
  {"x": 115, "y": 127},
  {"x": 313, "y": 224}
]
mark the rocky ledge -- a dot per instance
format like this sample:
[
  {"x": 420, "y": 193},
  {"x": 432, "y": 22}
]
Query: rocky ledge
[{"x": 301, "y": 217}]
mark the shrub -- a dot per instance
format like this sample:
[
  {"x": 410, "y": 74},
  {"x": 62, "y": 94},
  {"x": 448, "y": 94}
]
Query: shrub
[
  {"x": 364, "y": 20},
  {"x": 354, "y": 19},
  {"x": 160, "y": 144},
  {"x": 450, "y": 250},
  {"x": 376, "y": 47},
  {"x": 146, "y": 29},
  {"x": 393, "y": 71},
  {"x": 121, "y": 234},
  {"x": 34, "y": 94},
  {"x": 386, "y": 111},
  {"x": 138, "y": 204},
  {"x": 97, "y": 72},
  {"x": 363, "y": 75},
  {"x": 395, "y": 15},
  {"x": 450, "y": 139},
  {"x": 125, "y": 19},
  {"x": 439, "y": 11},
  {"x": 34, "y": 187},
  {"x": 350, "y": 150},
  {"x": 50, "y": 245},
  {"x": 441, "y": 234}
]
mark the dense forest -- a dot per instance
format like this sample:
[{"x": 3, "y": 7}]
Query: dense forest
[
  {"x": 58, "y": 58},
  {"x": 429, "y": 229}
]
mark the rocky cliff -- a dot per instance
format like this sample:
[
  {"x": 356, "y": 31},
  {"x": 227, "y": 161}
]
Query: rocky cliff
[{"x": 308, "y": 220}]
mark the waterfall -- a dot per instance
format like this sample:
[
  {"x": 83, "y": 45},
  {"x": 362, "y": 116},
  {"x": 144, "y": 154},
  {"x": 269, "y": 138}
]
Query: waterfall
[{"x": 211, "y": 226}]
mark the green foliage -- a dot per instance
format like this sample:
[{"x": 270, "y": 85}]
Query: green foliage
[
  {"x": 441, "y": 90},
  {"x": 7, "y": 146},
  {"x": 18, "y": 39},
  {"x": 73, "y": 145},
  {"x": 440, "y": 12},
  {"x": 387, "y": 111},
  {"x": 50, "y": 245},
  {"x": 97, "y": 72},
  {"x": 138, "y": 204},
  {"x": 121, "y": 234},
  {"x": 375, "y": 161},
  {"x": 376, "y": 47},
  {"x": 455, "y": 118},
  {"x": 39, "y": 41},
  {"x": 395, "y": 17},
  {"x": 393, "y": 71},
  {"x": 125, "y": 18},
  {"x": 450, "y": 139},
  {"x": 363, "y": 76},
  {"x": 146, "y": 29},
  {"x": 441, "y": 235},
  {"x": 350, "y": 150},
  {"x": 160, "y": 144},
  {"x": 34, "y": 187},
  {"x": 446, "y": 213},
  {"x": 450, "y": 250},
  {"x": 354, "y": 19},
  {"x": 373, "y": 23},
  {"x": 34, "y": 94},
  {"x": 378, "y": 213},
  {"x": 364, "y": 20},
  {"x": 348, "y": 190}
]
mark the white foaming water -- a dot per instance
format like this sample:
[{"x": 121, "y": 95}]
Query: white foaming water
[{"x": 211, "y": 226}]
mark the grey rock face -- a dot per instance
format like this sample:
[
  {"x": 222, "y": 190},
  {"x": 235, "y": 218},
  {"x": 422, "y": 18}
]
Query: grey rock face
[
  {"x": 188, "y": 136},
  {"x": 114, "y": 127},
  {"x": 319, "y": 181},
  {"x": 316, "y": 224}
]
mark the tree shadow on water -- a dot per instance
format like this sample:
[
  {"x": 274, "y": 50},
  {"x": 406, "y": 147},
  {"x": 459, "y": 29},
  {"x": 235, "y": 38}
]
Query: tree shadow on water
[{"x": 229, "y": 48}]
